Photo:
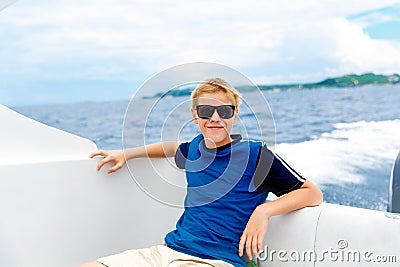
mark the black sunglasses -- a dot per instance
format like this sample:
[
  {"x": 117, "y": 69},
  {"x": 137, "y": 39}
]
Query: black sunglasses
[{"x": 224, "y": 111}]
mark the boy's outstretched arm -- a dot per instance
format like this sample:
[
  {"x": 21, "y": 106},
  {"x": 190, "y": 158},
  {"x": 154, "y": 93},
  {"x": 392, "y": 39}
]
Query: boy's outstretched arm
[
  {"x": 253, "y": 235},
  {"x": 119, "y": 157}
]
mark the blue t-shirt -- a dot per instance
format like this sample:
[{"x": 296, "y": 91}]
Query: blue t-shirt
[{"x": 224, "y": 186}]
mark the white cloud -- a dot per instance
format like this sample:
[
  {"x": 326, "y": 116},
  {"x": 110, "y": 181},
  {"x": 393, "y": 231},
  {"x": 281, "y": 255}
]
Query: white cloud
[
  {"x": 377, "y": 16},
  {"x": 293, "y": 40},
  {"x": 361, "y": 53}
]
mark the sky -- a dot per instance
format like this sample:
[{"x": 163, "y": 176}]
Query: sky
[{"x": 60, "y": 51}]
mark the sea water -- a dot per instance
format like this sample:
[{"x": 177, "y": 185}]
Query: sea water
[{"x": 345, "y": 140}]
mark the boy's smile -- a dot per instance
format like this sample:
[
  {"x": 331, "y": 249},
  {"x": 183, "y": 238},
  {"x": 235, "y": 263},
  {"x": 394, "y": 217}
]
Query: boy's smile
[
  {"x": 216, "y": 130},
  {"x": 215, "y": 127}
]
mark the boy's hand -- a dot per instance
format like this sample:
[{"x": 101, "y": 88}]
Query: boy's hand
[
  {"x": 254, "y": 233},
  {"x": 115, "y": 156}
]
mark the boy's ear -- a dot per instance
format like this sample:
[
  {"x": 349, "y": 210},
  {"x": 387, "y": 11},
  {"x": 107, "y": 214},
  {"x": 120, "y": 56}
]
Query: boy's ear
[
  {"x": 235, "y": 115},
  {"x": 194, "y": 115}
]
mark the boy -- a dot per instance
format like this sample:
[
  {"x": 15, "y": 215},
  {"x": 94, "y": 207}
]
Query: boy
[{"x": 228, "y": 181}]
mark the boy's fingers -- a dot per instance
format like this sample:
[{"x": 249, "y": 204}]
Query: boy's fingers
[
  {"x": 241, "y": 244},
  {"x": 102, "y": 162},
  {"x": 254, "y": 246},
  {"x": 97, "y": 153},
  {"x": 260, "y": 243},
  {"x": 93, "y": 154},
  {"x": 114, "y": 168},
  {"x": 248, "y": 247}
]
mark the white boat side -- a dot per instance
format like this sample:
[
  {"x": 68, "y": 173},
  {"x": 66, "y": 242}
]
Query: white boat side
[
  {"x": 57, "y": 210},
  {"x": 29, "y": 141}
]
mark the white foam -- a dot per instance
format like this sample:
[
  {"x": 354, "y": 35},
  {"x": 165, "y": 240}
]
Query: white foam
[{"x": 335, "y": 157}]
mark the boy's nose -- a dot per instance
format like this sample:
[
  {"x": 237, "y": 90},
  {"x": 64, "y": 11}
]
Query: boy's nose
[{"x": 215, "y": 116}]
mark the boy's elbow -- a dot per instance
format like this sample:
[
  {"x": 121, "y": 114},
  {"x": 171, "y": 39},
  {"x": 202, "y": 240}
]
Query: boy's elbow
[{"x": 317, "y": 196}]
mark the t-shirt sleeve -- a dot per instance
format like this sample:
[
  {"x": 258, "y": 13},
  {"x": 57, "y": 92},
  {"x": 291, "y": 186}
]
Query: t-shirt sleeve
[
  {"x": 274, "y": 175},
  {"x": 181, "y": 155}
]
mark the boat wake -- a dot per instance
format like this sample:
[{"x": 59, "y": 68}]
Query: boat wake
[{"x": 348, "y": 153}]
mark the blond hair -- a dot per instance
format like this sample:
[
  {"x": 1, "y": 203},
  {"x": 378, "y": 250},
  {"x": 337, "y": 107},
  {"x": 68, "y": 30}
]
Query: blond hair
[{"x": 215, "y": 85}]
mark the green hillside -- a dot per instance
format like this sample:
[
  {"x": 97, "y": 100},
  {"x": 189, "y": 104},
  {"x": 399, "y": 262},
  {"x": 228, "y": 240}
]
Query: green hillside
[{"x": 351, "y": 80}]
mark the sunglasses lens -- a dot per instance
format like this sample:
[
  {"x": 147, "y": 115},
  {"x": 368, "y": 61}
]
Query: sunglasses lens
[
  {"x": 225, "y": 112},
  {"x": 206, "y": 111}
]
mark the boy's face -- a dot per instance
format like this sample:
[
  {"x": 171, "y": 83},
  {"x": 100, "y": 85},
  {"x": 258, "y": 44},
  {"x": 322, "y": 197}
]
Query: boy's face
[{"x": 216, "y": 130}]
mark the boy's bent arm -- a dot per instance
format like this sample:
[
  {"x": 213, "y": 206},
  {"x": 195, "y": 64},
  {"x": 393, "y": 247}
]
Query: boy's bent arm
[
  {"x": 119, "y": 157},
  {"x": 253, "y": 235},
  {"x": 157, "y": 150},
  {"x": 307, "y": 195}
]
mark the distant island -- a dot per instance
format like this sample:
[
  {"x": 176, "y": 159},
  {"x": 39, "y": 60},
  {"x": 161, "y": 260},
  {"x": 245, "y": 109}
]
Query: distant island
[{"x": 351, "y": 80}]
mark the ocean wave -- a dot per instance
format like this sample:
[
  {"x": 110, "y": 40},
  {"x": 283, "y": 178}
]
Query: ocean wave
[{"x": 344, "y": 154}]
